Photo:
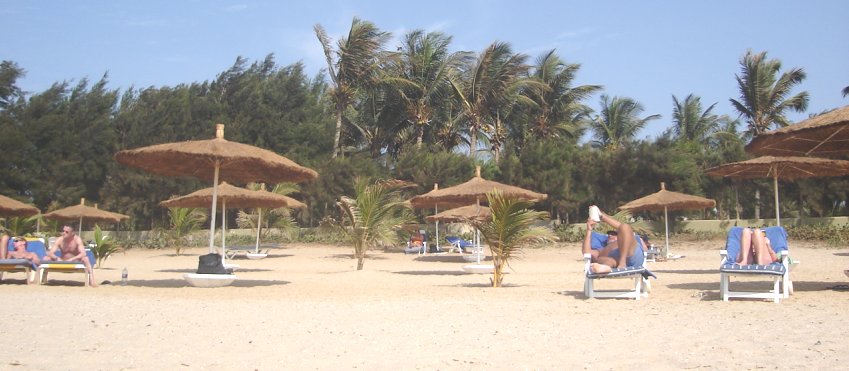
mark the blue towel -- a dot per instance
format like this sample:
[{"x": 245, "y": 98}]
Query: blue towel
[{"x": 777, "y": 239}]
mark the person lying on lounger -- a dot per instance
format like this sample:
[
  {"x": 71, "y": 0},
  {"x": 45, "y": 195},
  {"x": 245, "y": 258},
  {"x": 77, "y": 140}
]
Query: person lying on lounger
[
  {"x": 20, "y": 250},
  {"x": 417, "y": 239},
  {"x": 755, "y": 248},
  {"x": 70, "y": 247},
  {"x": 624, "y": 248}
]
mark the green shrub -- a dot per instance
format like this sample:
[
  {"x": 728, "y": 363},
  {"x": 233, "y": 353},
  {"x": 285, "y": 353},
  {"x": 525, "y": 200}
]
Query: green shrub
[
  {"x": 834, "y": 235},
  {"x": 565, "y": 233}
]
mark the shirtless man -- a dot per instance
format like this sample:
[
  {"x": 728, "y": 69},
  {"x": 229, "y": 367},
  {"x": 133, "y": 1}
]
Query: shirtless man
[
  {"x": 755, "y": 248},
  {"x": 70, "y": 248},
  {"x": 20, "y": 250},
  {"x": 623, "y": 249}
]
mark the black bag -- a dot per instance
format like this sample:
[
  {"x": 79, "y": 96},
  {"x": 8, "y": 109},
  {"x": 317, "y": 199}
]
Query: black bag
[{"x": 212, "y": 264}]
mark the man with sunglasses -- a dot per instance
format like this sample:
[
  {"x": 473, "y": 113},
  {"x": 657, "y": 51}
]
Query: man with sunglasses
[
  {"x": 70, "y": 247},
  {"x": 20, "y": 250}
]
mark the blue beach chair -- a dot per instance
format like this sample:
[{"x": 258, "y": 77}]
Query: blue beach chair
[
  {"x": 779, "y": 271},
  {"x": 22, "y": 265},
  {"x": 640, "y": 275}
]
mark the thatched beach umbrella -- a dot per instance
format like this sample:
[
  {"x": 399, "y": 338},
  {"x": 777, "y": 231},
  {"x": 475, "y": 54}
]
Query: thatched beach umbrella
[
  {"x": 826, "y": 135},
  {"x": 668, "y": 200},
  {"x": 13, "y": 207},
  {"x": 435, "y": 205},
  {"x": 235, "y": 198},
  {"x": 460, "y": 214},
  {"x": 473, "y": 191},
  {"x": 216, "y": 160},
  {"x": 786, "y": 168},
  {"x": 83, "y": 211}
]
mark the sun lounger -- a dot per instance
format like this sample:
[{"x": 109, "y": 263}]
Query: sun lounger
[
  {"x": 459, "y": 243},
  {"x": 639, "y": 275},
  {"x": 234, "y": 250},
  {"x": 23, "y": 265},
  {"x": 779, "y": 271},
  {"x": 413, "y": 248},
  {"x": 65, "y": 267},
  {"x": 641, "y": 286}
]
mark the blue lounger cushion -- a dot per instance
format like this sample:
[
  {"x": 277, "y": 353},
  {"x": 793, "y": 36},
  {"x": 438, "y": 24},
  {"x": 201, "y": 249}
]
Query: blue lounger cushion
[
  {"x": 10, "y": 262},
  {"x": 618, "y": 272},
  {"x": 774, "y": 268}
]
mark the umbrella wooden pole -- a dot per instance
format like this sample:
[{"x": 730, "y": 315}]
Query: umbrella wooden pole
[
  {"x": 224, "y": 231},
  {"x": 666, "y": 224},
  {"x": 436, "y": 211},
  {"x": 775, "y": 189},
  {"x": 258, "y": 226},
  {"x": 478, "y": 247},
  {"x": 214, "y": 208}
]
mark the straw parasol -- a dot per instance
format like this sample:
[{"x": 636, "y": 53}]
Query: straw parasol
[
  {"x": 472, "y": 191},
  {"x": 83, "y": 211},
  {"x": 825, "y": 135},
  {"x": 460, "y": 214},
  {"x": 216, "y": 159},
  {"x": 668, "y": 200},
  {"x": 235, "y": 198},
  {"x": 13, "y": 207},
  {"x": 787, "y": 168}
]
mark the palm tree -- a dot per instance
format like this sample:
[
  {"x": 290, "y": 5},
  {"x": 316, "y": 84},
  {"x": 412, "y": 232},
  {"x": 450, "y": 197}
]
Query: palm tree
[
  {"x": 449, "y": 135},
  {"x": 763, "y": 98},
  {"x": 559, "y": 110},
  {"x": 495, "y": 75},
  {"x": 374, "y": 216},
  {"x": 184, "y": 221},
  {"x": 354, "y": 66},
  {"x": 425, "y": 67},
  {"x": 104, "y": 246},
  {"x": 691, "y": 123},
  {"x": 618, "y": 122},
  {"x": 509, "y": 230}
]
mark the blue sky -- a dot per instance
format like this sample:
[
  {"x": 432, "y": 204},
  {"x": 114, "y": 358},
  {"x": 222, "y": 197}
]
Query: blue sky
[{"x": 646, "y": 50}]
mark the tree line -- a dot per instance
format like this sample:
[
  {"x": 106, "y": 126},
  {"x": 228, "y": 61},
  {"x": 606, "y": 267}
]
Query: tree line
[{"x": 419, "y": 112}]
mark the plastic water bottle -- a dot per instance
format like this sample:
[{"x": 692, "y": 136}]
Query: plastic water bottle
[{"x": 124, "y": 277}]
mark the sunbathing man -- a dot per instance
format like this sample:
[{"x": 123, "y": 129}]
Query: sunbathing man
[
  {"x": 20, "y": 251},
  {"x": 70, "y": 248},
  {"x": 755, "y": 248},
  {"x": 623, "y": 249}
]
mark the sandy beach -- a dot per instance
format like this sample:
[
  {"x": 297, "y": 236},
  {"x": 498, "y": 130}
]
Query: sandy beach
[{"x": 306, "y": 307}]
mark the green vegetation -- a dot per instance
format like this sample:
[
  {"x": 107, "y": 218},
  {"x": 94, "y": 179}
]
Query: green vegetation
[
  {"x": 509, "y": 230},
  {"x": 373, "y": 216},
  {"x": 104, "y": 246},
  {"x": 420, "y": 112},
  {"x": 184, "y": 221}
]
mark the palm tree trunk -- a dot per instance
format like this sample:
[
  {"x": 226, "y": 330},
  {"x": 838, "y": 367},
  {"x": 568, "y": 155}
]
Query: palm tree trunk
[
  {"x": 497, "y": 274},
  {"x": 338, "y": 133},
  {"x": 473, "y": 139}
]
